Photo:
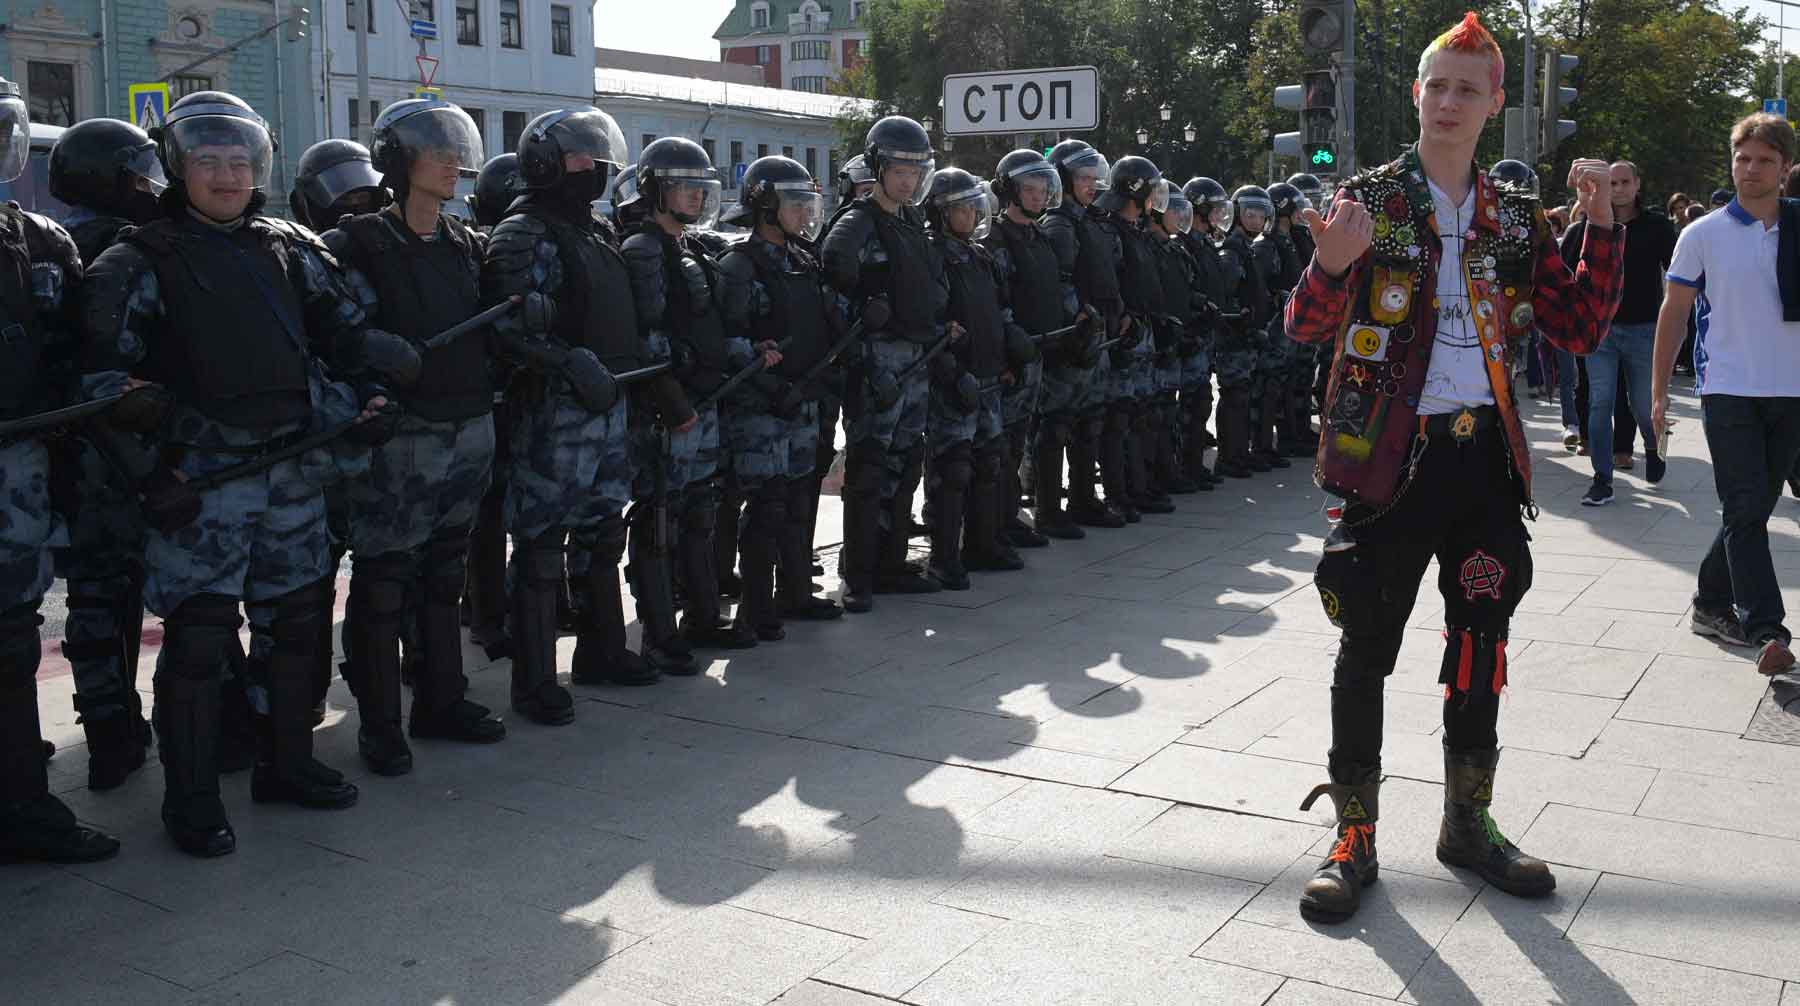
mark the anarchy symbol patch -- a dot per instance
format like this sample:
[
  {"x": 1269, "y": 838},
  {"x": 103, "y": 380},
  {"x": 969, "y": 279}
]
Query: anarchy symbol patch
[{"x": 1482, "y": 574}]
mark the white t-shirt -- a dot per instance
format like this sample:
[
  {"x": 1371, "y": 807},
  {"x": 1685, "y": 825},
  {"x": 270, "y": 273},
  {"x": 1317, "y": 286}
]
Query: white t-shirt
[
  {"x": 1741, "y": 345},
  {"x": 1457, "y": 377}
]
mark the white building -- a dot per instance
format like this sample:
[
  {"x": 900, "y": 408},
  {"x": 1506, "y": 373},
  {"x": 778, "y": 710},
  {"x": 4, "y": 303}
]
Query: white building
[
  {"x": 736, "y": 123},
  {"x": 505, "y": 61}
]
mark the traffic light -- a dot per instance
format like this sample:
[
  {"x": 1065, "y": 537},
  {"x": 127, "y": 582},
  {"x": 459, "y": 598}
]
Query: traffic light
[
  {"x": 1322, "y": 26},
  {"x": 1321, "y": 158},
  {"x": 1315, "y": 144},
  {"x": 1557, "y": 66},
  {"x": 298, "y": 21},
  {"x": 1290, "y": 98}
]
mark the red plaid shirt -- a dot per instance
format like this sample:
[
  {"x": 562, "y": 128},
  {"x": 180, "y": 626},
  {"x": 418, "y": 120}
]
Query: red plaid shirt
[{"x": 1572, "y": 308}]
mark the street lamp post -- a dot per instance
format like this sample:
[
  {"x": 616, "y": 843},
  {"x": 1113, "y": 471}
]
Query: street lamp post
[
  {"x": 1143, "y": 137},
  {"x": 1165, "y": 111},
  {"x": 1187, "y": 132}
]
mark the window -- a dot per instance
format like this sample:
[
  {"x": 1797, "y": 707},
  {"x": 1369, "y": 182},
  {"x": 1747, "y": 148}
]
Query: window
[
  {"x": 811, "y": 50},
  {"x": 512, "y": 126},
  {"x": 762, "y": 150},
  {"x": 51, "y": 90},
  {"x": 350, "y": 15},
  {"x": 712, "y": 151},
  {"x": 427, "y": 9},
  {"x": 512, "y": 29},
  {"x": 856, "y": 9},
  {"x": 830, "y": 164},
  {"x": 737, "y": 152},
  {"x": 812, "y": 161},
  {"x": 479, "y": 116},
  {"x": 787, "y": 152},
  {"x": 810, "y": 83},
  {"x": 562, "y": 31},
  {"x": 356, "y": 114},
  {"x": 759, "y": 15},
  {"x": 762, "y": 55},
  {"x": 468, "y": 22},
  {"x": 862, "y": 48},
  {"x": 188, "y": 83},
  {"x": 649, "y": 138}
]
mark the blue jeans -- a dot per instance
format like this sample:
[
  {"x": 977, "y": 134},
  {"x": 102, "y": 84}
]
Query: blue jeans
[
  {"x": 1754, "y": 443},
  {"x": 1625, "y": 352},
  {"x": 1566, "y": 378}
]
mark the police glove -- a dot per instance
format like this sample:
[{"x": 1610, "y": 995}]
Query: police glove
[
  {"x": 392, "y": 356},
  {"x": 1021, "y": 351},
  {"x": 167, "y": 503},
  {"x": 142, "y": 410},
  {"x": 380, "y": 426},
  {"x": 592, "y": 383}
]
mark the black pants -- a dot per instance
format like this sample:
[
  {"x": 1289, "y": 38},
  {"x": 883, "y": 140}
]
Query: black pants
[
  {"x": 1754, "y": 443},
  {"x": 1462, "y": 507}
]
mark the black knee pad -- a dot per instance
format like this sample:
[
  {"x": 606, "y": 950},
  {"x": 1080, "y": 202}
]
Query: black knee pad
[
  {"x": 19, "y": 639},
  {"x": 699, "y": 508},
  {"x": 606, "y": 540},
  {"x": 201, "y": 637},
  {"x": 989, "y": 462},
  {"x": 863, "y": 470},
  {"x": 300, "y": 614},
  {"x": 444, "y": 564},
  {"x": 954, "y": 469},
  {"x": 766, "y": 511},
  {"x": 541, "y": 560}
]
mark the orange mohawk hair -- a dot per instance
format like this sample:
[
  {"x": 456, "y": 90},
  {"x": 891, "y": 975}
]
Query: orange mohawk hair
[{"x": 1469, "y": 35}]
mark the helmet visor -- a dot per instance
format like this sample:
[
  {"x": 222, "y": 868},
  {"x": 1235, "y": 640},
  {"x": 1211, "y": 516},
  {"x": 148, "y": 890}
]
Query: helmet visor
[
  {"x": 1222, "y": 214},
  {"x": 1089, "y": 164},
  {"x": 142, "y": 162},
  {"x": 442, "y": 135},
  {"x": 586, "y": 132},
  {"x": 902, "y": 168},
  {"x": 691, "y": 195},
  {"x": 1260, "y": 204},
  {"x": 1158, "y": 199},
  {"x": 15, "y": 138},
  {"x": 1036, "y": 187},
  {"x": 224, "y": 151},
  {"x": 1179, "y": 217},
  {"x": 800, "y": 209},
  {"x": 339, "y": 180},
  {"x": 955, "y": 208}
]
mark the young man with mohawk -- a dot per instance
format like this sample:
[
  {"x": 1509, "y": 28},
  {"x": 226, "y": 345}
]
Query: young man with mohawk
[{"x": 1429, "y": 275}]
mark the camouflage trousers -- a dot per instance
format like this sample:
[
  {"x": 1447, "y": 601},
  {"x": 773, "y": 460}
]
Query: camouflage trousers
[
  {"x": 28, "y": 527},
  {"x": 693, "y": 456},
  {"x": 1165, "y": 374},
  {"x": 1196, "y": 370},
  {"x": 570, "y": 468},
  {"x": 764, "y": 447},
  {"x": 1065, "y": 390},
  {"x": 899, "y": 428},
  {"x": 947, "y": 424},
  {"x": 428, "y": 478},
  {"x": 1019, "y": 400},
  {"x": 1131, "y": 377},
  {"x": 104, "y": 567}
]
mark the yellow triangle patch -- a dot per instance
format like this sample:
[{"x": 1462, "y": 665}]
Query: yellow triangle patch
[{"x": 1353, "y": 810}]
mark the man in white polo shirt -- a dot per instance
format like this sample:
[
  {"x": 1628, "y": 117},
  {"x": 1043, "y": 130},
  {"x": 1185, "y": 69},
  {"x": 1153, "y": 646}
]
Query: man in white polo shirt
[{"x": 1747, "y": 369}]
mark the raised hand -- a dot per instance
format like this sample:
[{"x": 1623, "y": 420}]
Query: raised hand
[
  {"x": 1591, "y": 179},
  {"x": 1341, "y": 238}
]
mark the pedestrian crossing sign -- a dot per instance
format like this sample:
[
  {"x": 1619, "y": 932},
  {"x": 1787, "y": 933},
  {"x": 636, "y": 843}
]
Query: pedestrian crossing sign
[
  {"x": 149, "y": 104},
  {"x": 428, "y": 92}
]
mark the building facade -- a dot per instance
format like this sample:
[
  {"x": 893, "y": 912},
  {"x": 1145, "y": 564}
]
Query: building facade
[
  {"x": 736, "y": 124},
  {"x": 801, "y": 45}
]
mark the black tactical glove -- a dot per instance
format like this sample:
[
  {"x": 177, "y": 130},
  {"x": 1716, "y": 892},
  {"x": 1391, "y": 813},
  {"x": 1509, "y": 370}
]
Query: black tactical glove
[
  {"x": 167, "y": 503},
  {"x": 379, "y": 428},
  {"x": 393, "y": 357},
  {"x": 142, "y": 410}
]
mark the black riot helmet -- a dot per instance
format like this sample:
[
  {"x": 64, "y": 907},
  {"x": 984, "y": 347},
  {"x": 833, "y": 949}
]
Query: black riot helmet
[
  {"x": 853, "y": 175},
  {"x": 1211, "y": 204},
  {"x": 214, "y": 119},
  {"x": 1252, "y": 197},
  {"x": 1135, "y": 179},
  {"x": 1025, "y": 179},
  {"x": 1515, "y": 175},
  {"x": 898, "y": 141},
  {"x": 580, "y": 130},
  {"x": 431, "y": 129},
  {"x": 953, "y": 187},
  {"x": 1309, "y": 186},
  {"x": 108, "y": 166},
  {"x": 15, "y": 131},
  {"x": 334, "y": 179},
  {"x": 1178, "y": 218},
  {"x": 777, "y": 190},
  {"x": 1075, "y": 160},
  {"x": 675, "y": 176},
  {"x": 627, "y": 209},
  {"x": 496, "y": 186},
  {"x": 1287, "y": 199}
]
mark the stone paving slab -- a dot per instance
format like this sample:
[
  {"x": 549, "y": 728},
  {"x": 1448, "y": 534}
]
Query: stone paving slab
[{"x": 1079, "y": 784}]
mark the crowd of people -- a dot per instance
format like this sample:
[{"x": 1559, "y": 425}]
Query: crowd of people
[{"x": 207, "y": 407}]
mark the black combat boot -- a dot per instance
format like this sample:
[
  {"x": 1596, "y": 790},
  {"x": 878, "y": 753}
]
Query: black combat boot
[
  {"x": 536, "y": 695},
  {"x": 1468, "y": 836},
  {"x": 440, "y": 707},
  {"x": 286, "y": 771},
  {"x": 377, "y": 604},
  {"x": 601, "y": 656},
  {"x": 794, "y": 555},
  {"x": 1335, "y": 891}
]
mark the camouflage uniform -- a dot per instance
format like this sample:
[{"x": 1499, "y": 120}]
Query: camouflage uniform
[
  {"x": 1088, "y": 255},
  {"x": 1197, "y": 367},
  {"x": 1239, "y": 345}
]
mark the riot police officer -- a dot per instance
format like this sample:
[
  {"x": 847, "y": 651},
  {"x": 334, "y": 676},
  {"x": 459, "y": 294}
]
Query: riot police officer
[
  {"x": 676, "y": 282},
  {"x": 224, "y": 306},
  {"x": 571, "y": 467},
  {"x": 1135, "y": 188},
  {"x": 106, "y": 171},
  {"x": 43, "y": 267},
  {"x": 1179, "y": 339},
  {"x": 1294, "y": 242},
  {"x": 1027, "y": 186},
  {"x": 964, "y": 436},
  {"x": 1256, "y": 219},
  {"x": 333, "y": 180},
  {"x": 854, "y": 180},
  {"x": 1075, "y": 383},
  {"x": 878, "y": 249},
  {"x": 1241, "y": 341},
  {"x": 497, "y": 184},
  {"x": 773, "y": 299},
  {"x": 1218, "y": 284},
  {"x": 416, "y": 270}
]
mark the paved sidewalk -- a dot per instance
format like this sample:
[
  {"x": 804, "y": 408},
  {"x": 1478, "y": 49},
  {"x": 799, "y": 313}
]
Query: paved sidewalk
[{"x": 1076, "y": 784}]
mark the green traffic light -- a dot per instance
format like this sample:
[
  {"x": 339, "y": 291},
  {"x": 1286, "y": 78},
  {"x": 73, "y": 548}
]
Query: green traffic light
[{"x": 1323, "y": 158}]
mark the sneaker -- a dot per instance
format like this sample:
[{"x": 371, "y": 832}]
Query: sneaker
[
  {"x": 1598, "y": 494},
  {"x": 1571, "y": 437},
  {"x": 1724, "y": 627},
  {"x": 1774, "y": 657},
  {"x": 1654, "y": 467}
]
